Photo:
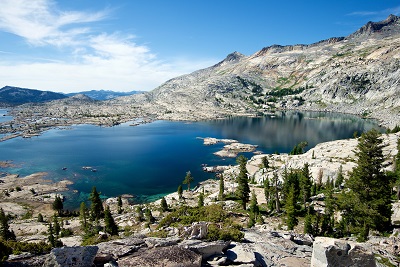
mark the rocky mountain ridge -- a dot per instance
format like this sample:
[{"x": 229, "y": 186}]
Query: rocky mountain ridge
[{"x": 356, "y": 74}]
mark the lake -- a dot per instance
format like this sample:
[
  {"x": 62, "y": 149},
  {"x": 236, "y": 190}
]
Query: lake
[
  {"x": 151, "y": 160},
  {"x": 3, "y": 115}
]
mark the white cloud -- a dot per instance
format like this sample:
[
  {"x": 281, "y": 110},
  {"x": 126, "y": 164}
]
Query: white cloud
[
  {"x": 385, "y": 12},
  {"x": 91, "y": 60}
]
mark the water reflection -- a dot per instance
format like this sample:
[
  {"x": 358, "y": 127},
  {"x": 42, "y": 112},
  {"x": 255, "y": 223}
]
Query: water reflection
[{"x": 280, "y": 132}]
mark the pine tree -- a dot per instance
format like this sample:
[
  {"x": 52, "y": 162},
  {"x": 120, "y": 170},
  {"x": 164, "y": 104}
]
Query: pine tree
[
  {"x": 305, "y": 184},
  {"x": 163, "y": 204},
  {"x": 368, "y": 203},
  {"x": 180, "y": 191},
  {"x": 58, "y": 205},
  {"x": 221, "y": 195},
  {"x": 290, "y": 207},
  {"x": 119, "y": 203},
  {"x": 40, "y": 218},
  {"x": 339, "y": 177},
  {"x": 149, "y": 216},
  {"x": 308, "y": 229},
  {"x": 188, "y": 179},
  {"x": 319, "y": 179},
  {"x": 243, "y": 189},
  {"x": 56, "y": 226},
  {"x": 267, "y": 190},
  {"x": 83, "y": 216},
  {"x": 200, "y": 202},
  {"x": 328, "y": 219},
  {"x": 5, "y": 232},
  {"x": 51, "y": 237},
  {"x": 110, "y": 226},
  {"x": 275, "y": 182},
  {"x": 254, "y": 209},
  {"x": 96, "y": 208},
  {"x": 291, "y": 179},
  {"x": 265, "y": 162}
]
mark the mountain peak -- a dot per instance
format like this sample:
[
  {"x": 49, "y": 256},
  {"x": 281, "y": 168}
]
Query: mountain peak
[
  {"x": 235, "y": 56},
  {"x": 385, "y": 27},
  {"x": 231, "y": 58}
]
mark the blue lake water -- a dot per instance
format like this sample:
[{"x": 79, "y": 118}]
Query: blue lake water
[
  {"x": 3, "y": 115},
  {"x": 151, "y": 160}
]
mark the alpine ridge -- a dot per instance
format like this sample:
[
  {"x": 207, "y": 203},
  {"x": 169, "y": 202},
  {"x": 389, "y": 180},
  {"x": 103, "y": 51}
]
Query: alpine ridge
[{"x": 357, "y": 74}]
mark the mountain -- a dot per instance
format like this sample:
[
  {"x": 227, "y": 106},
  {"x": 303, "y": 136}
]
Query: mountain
[
  {"x": 105, "y": 94},
  {"x": 356, "y": 74},
  {"x": 15, "y": 96}
]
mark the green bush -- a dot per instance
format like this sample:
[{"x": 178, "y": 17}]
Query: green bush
[
  {"x": 4, "y": 251},
  {"x": 225, "y": 232}
]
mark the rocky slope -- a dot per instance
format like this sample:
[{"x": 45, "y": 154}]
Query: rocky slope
[{"x": 355, "y": 74}]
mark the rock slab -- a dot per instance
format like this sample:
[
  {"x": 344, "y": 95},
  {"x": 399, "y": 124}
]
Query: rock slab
[
  {"x": 174, "y": 256},
  {"x": 71, "y": 256},
  {"x": 331, "y": 252}
]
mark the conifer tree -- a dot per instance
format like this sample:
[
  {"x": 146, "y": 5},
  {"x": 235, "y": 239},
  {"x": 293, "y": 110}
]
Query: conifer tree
[
  {"x": 58, "y": 205},
  {"x": 83, "y": 216},
  {"x": 243, "y": 189},
  {"x": 51, "y": 237},
  {"x": 110, "y": 226},
  {"x": 149, "y": 216},
  {"x": 119, "y": 203},
  {"x": 163, "y": 204},
  {"x": 339, "y": 177},
  {"x": 275, "y": 193},
  {"x": 188, "y": 179},
  {"x": 327, "y": 223},
  {"x": 5, "y": 232},
  {"x": 267, "y": 190},
  {"x": 368, "y": 203},
  {"x": 265, "y": 162},
  {"x": 139, "y": 214},
  {"x": 254, "y": 209},
  {"x": 221, "y": 195},
  {"x": 56, "y": 226},
  {"x": 40, "y": 218},
  {"x": 96, "y": 208},
  {"x": 308, "y": 229},
  {"x": 180, "y": 191},
  {"x": 290, "y": 207},
  {"x": 305, "y": 184},
  {"x": 319, "y": 179},
  {"x": 200, "y": 202}
]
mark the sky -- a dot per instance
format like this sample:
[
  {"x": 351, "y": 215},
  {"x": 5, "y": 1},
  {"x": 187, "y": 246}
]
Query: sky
[{"x": 124, "y": 45}]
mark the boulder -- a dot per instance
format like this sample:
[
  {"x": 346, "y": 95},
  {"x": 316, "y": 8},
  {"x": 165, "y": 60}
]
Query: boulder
[
  {"x": 332, "y": 252},
  {"x": 206, "y": 249},
  {"x": 71, "y": 256},
  {"x": 161, "y": 242},
  {"x": 172, "y": 256},
  {"x": 115, "y": 249},
  {"x": 240, "y": 253},
  {"x": 198, "y": 230}
]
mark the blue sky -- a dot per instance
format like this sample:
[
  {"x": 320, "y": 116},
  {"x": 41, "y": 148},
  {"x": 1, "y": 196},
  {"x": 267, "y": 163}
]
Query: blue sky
[{"x": 76, "y": 45}]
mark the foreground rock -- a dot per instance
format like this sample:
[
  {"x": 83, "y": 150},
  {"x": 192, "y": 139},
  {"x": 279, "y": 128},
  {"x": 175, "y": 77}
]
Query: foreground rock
[
  {"x": 71, "y": 256},
  {"x": 163, "y": 256}
]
